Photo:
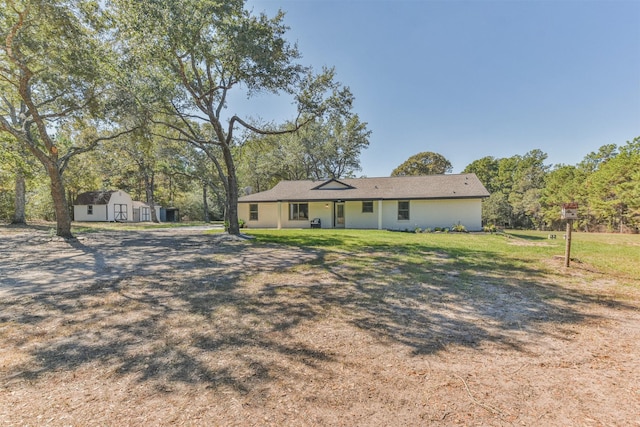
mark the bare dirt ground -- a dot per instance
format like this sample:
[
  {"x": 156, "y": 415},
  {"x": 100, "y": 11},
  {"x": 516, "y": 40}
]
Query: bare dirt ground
[{"x": 173, "y": 327}]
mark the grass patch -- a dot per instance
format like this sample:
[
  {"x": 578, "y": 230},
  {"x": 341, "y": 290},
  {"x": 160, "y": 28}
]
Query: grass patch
[
  {"x": 409, "y": 258},
  {"x": 617, "y": 255}
]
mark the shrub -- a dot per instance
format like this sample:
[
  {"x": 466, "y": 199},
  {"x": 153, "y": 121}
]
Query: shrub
[
  {"x": 490, "y": 228},
  {"x": 459, "y": 228},
  {"x": 418, "y": 230},
  {"x": 241, "y": 224}
]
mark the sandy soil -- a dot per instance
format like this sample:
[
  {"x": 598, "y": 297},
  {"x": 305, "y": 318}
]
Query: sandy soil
[{"x": 173, "y": 327}]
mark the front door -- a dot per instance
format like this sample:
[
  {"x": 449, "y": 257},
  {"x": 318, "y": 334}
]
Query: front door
[{"x": 339, "y": 221}]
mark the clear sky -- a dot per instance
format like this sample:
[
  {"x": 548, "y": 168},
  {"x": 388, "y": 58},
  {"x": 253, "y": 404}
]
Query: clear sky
[{"x": 469, "y": 79}]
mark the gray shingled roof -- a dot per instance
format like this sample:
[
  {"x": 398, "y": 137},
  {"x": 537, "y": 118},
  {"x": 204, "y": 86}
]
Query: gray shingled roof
[
  {"x": 94, "y": 198},
  {"x": 458, "y": 186}
]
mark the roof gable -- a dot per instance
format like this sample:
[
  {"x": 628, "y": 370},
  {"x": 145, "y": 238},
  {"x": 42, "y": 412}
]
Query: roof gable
[
  {"x": 94, "y": 198},
  {"x": 333, "y": 184}
]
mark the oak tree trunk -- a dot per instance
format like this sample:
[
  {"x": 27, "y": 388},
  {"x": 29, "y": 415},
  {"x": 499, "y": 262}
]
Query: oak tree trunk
[
  {"x": 232, "y": 191},
  {"x": 205, "y": 204},
  {"x": 20, "y": 200},
  {"x": 58, "y": 195},
  {"x": 149, "y": 190}
]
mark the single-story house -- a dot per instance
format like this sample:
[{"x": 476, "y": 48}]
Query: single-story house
[
  {"x": 395, "y": 203},
  {"x": 111, "y": 206}
]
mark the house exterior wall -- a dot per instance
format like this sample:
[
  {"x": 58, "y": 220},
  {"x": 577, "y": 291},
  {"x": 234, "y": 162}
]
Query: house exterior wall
[
  {"x": 324, "y": 211},
  {"x": 316, "y": 210},
  {"x": 422, "y": 213},
  {"x": 267, "y": 215},
  {"x": 355, "y": 218},
  {"x": 434, "y": 213}
]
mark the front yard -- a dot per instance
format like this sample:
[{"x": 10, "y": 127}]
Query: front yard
[{"x": 317, "y": 327}]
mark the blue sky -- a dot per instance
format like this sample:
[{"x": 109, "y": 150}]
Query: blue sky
[{"x": 469, "y": 79}]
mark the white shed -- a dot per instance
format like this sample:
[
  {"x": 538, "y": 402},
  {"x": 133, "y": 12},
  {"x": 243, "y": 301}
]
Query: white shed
[
  {"x": 103, "y": 206},
  {"x": 142, "y": 211}
]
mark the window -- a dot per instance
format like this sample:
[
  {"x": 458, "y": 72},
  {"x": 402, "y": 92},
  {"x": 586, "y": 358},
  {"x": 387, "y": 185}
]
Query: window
[
  {"x": 145, "y": 215},
  {"x": 253, "y": 212},
  {"x": 90, "y": 210},
  {"x": 367, "y": 207},
  {"x": 298, "y": 211},
  {"x": 403, "y": 211}
]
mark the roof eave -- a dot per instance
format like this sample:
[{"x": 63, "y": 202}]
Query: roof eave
[{"x": 356, "y": 199}]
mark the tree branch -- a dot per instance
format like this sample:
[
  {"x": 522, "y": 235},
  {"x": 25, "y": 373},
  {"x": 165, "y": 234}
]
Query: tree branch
[
  {"x": 185, "y": 81},
  {"x": 191, "y": 135},
  {"x": 74, "y": 151},
  {"x": 246, "y": 125}
]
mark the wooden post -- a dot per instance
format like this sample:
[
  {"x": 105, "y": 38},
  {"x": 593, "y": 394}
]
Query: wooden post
[
  {"x": 567, "y": 250},
  {"x": 569, "y": 212}
]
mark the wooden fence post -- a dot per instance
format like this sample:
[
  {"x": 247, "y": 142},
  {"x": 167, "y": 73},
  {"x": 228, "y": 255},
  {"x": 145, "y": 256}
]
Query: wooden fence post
[{"x": 567, "y": 250}]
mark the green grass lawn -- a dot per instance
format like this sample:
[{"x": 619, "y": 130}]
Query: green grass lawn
[{"x": 616, "y": 255}]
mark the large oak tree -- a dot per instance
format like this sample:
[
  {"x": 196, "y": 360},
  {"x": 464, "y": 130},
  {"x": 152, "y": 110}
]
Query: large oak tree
[
  {"x": 192, "y": 53},
  {"x": 54, "y": 75}
]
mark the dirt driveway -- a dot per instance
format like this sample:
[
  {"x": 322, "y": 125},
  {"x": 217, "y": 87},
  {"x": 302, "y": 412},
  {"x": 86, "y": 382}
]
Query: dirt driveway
[{"x": 173, "y": 327}]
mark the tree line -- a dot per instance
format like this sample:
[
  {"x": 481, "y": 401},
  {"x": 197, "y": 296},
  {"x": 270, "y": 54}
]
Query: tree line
[
  {"x": 182, "y": 175},
  {"x": 528, "y": 193}
]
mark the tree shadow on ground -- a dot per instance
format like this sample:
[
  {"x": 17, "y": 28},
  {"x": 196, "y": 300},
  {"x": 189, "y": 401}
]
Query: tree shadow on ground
[
  {"x": 28, "y": 227},
  {"x": 439, "y": 298},
  {"x": 225, "y": 314},
  {"x": 531, "y": 237}
]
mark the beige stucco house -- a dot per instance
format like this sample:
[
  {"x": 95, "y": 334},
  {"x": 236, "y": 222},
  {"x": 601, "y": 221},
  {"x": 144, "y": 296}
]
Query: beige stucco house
[
  {"x": 111, "y": 206},
  {"x": 395, "y": 203}
]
